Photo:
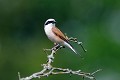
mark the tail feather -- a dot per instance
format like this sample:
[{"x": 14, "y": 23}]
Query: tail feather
[{"x": 71, "y": 47}]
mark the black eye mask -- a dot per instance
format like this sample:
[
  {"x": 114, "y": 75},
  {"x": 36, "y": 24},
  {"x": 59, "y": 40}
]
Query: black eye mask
[{"x": 50, "y": 22}]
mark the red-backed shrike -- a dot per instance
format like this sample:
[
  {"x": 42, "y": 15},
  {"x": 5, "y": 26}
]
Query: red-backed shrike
[{"x": 55, "y": 35}]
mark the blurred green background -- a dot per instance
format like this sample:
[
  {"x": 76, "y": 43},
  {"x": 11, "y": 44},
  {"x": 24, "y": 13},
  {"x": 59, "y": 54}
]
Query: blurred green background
[{"x": 94, "y": 22}]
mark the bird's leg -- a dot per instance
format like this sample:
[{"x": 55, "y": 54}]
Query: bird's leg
[{"x": 55, "y": 44}]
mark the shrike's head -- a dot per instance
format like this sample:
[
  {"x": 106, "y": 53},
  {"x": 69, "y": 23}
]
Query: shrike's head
[{"x": 50, "y": 21}]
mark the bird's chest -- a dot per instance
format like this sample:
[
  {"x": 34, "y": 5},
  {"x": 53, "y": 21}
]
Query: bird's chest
[{"x": 49, "y": 33}]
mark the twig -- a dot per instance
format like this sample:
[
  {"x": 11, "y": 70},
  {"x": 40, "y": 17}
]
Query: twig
[
  {"x": 48, "y": 69},
  {"x": 76, "y": 41}
]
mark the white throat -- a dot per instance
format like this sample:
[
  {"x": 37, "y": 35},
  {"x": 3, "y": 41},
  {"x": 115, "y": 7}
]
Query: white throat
[{"x": 48, "y": 29}]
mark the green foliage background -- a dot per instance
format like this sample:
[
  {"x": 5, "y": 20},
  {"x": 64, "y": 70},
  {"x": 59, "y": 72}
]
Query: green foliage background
[{"x": 94, "y": 22}]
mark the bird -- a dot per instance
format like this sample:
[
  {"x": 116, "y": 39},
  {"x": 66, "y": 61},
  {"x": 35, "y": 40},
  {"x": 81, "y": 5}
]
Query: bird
[{"x": 55, "y": 35}]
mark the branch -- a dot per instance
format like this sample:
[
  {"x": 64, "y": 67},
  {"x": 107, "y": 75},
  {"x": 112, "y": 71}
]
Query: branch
[{"x": 48, "y": 69}]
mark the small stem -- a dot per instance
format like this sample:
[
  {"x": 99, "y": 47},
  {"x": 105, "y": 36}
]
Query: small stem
[
  {"x": 96, "y": 71},
  {"x": 81, "y": 44},
  {"x": 76, "y": 41}
]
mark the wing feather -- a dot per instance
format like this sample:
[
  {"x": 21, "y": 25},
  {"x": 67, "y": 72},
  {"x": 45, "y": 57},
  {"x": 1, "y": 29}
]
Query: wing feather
[{"x": 58, "y": 33}]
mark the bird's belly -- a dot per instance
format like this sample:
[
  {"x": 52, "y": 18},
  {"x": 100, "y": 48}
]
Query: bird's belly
[{"x": 52, "y": 36}]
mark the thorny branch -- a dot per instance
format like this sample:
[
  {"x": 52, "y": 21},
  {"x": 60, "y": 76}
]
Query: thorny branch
[{"x": 48, "y": 69}]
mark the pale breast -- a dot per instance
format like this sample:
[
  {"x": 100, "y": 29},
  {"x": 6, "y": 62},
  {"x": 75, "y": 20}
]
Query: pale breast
[{"x": 49, "y": 33}]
